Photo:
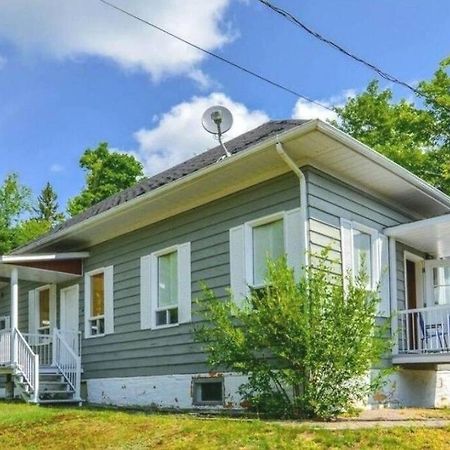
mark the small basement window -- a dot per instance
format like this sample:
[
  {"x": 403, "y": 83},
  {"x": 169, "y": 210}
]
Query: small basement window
[{"x": 208, "y": 391}]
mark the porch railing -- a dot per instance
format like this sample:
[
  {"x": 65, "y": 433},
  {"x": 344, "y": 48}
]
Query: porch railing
[
  {"x": 424, "y": 330},
  {"x": 42, "y": 345},
  {"x": 67, "y": 361},
  {"x": 5, "y": 347},
  {"x": 27, "y": 363}
]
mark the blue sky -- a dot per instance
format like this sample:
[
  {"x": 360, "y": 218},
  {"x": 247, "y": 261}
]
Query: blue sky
[{"x": 73, "y": 74}]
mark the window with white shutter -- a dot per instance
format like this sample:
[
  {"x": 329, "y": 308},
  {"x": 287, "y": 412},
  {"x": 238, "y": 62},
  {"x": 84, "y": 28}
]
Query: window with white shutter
[
  {"x": 166, "y": 287},
  {"x": 99, "y": 302},
  {"x": 254, "y": 243},
  {"x": 364, "y": 249}
]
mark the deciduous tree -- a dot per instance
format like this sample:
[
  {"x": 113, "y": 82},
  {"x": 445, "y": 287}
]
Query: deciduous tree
[{"x": 107, "y": 173}]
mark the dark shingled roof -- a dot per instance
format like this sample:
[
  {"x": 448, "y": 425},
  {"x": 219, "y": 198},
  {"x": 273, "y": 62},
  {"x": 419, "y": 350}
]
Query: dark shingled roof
[{"x": 207, "y": 158}]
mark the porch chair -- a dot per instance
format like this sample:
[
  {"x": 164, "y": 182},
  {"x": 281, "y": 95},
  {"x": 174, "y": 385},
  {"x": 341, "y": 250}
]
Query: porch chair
[{"x": 434, "y": 330}]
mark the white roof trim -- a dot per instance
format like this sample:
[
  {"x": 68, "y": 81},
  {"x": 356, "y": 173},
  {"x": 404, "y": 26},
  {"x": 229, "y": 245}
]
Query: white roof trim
[
  {"x": 385, "y": 162},
  {"x": 420, "y": 225},
  {"x": 296, "y": 132},
  {"x": 11, "y": 259},
  {"x": 429, "y": 235}
]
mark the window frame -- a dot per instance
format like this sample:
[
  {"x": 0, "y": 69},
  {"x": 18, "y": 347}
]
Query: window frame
[
  {"x": 198, "y": 382},
  {"x": 88, "y": 318},
  {"x": 155, "y": 269},
  {"x": 249, "y": 243},
  {"x": 7, "y": 322},
  {"x": 40, "y": 329}
]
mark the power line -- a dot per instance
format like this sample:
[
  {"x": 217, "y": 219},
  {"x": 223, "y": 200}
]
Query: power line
[
  {"x": 220, "y": 58},
  {"x": 291, "y": 18}
]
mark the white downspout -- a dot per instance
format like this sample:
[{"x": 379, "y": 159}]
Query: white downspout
[{"x": 303, "y": 197}]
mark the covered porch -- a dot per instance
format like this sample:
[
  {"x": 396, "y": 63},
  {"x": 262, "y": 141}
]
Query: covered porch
[
  {"x": 42, "y": 360},
  {"x": 420, "y": 299}
]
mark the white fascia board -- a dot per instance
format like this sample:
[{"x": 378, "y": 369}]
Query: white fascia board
[
  {"x": 385, "y": 162},
  {"x": 178, "y": 184},
  {"x": 400, "y": 230},
  {"x": 295, "y": 132},
  {"x": 11, "y": 259}
]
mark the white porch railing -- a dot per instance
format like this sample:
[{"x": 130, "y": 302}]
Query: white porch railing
[
  {"x": 42, "y": 345},
  {"x": 67, "y": 361},
  {"x": 5, "y": 347},
  {"x": 424, "y": 330},
  {"x": 27, "y": 363}
]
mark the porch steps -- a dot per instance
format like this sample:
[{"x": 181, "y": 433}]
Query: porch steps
[{"x": 53, "y": 388}]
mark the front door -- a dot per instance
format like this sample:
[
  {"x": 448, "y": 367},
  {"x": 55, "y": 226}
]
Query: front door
[
  {"x": 411, "y": 301},
  {"x": 70, "y": 315}
]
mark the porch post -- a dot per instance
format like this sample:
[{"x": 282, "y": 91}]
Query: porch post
[
  {"x": 393, "y": 291},
  {"x": 14, "y": 312}
]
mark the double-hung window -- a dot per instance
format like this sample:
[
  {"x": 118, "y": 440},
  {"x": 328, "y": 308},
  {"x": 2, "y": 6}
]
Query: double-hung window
[
  {"x": 267, "y": 244},
  {"x": 256, "y": 242},
  {"x": 360, "y": 252},
  {"x": 166, "y": 312},
  {"x": 99, "y": 306},
  {"x": 365, "y": 251},
  {"x": 97, "y": 316},
  {"x": 166, "y": 287}
]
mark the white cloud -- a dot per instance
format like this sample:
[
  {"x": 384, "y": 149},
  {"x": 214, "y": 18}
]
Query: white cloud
[
  {"x": 179, "y": 135},
  {"x": 307, "y": 110},
  {"x": 70, "y": 29}
]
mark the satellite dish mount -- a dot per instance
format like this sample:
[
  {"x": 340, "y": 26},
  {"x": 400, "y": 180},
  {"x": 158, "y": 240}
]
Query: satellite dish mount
[{"x": 218, "y": 120}]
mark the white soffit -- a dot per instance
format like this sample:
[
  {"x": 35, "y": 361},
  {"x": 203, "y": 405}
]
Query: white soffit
[{"x": 430, "y": 235}]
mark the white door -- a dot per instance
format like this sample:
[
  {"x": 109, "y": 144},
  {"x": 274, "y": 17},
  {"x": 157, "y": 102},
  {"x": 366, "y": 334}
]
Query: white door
[{"x": 70, "y": 315}]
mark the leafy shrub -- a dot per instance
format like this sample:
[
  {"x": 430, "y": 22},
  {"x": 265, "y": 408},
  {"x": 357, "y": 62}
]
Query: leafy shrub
[{"x": 307, "y": 347}]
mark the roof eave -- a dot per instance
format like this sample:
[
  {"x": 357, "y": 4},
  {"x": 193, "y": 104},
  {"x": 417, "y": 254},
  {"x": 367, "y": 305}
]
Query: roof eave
[{"x": 296, "y": 132}]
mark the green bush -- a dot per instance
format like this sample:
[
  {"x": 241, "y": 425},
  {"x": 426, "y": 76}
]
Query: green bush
[{"x": 306, "y": 347}]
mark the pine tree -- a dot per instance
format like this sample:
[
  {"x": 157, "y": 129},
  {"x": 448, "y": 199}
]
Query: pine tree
[{"x": 47, "y": 209}]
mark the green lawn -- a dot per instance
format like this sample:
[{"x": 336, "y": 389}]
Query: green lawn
[{"x": 24, "y": 426}]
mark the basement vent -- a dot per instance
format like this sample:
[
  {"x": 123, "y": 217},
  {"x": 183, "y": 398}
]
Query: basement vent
[{"x": 208, "y": 391}]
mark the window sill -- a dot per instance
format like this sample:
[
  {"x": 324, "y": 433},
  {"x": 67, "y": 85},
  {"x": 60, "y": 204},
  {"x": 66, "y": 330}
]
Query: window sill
[
  {"x": 170, "y": 325},
  {"x": 94, "y": 336}
]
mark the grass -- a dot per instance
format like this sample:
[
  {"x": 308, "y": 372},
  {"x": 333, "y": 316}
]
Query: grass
[{"x": 30, "y": 427}]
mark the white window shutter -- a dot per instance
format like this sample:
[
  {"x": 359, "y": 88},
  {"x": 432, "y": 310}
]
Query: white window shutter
[
  {"x": 146, "y": 309},
  {"x": 153, "y": 288},
  {"x": 384, "y": 309},
  {"x": 346, "y": 246},
  {"x": 294, "y": 240},
  {"x": 87, "y": 304},
  {"x": 32, "y": 312},
  {"x": 52, "y": 305},
  {"x": 238, "y": 279},
  {"x": 184, "y": 283},
  {"x": 109, "y": 299}
]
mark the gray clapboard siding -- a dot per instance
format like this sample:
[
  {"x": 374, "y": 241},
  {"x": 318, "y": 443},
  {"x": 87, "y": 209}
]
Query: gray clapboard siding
[
  {"x": 329, "y": 199},
  {"x": 134, "y": 352}
]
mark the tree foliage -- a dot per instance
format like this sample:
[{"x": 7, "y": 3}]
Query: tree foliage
[
  {"x": 47, "y": 206},
  {"x": 15, "y": 200},
  {"x": 414, "y": 136},
  {"x": 305, "y": 346},
  {"x": 107, "y": 173}
]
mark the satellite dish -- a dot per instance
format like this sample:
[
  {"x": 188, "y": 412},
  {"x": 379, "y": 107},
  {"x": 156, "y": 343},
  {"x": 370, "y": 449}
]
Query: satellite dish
[{"x": 218, "y": 120}]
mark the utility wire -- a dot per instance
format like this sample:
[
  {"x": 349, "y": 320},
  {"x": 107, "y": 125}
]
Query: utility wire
[
  {"x": 220, "y": 58},
  {"x": 291, "y": 18}
]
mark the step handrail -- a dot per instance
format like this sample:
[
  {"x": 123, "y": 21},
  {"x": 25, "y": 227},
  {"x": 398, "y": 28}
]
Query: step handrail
[
  {"x": 67, "y": 361},
  {"x": 26, "y": 363}
]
